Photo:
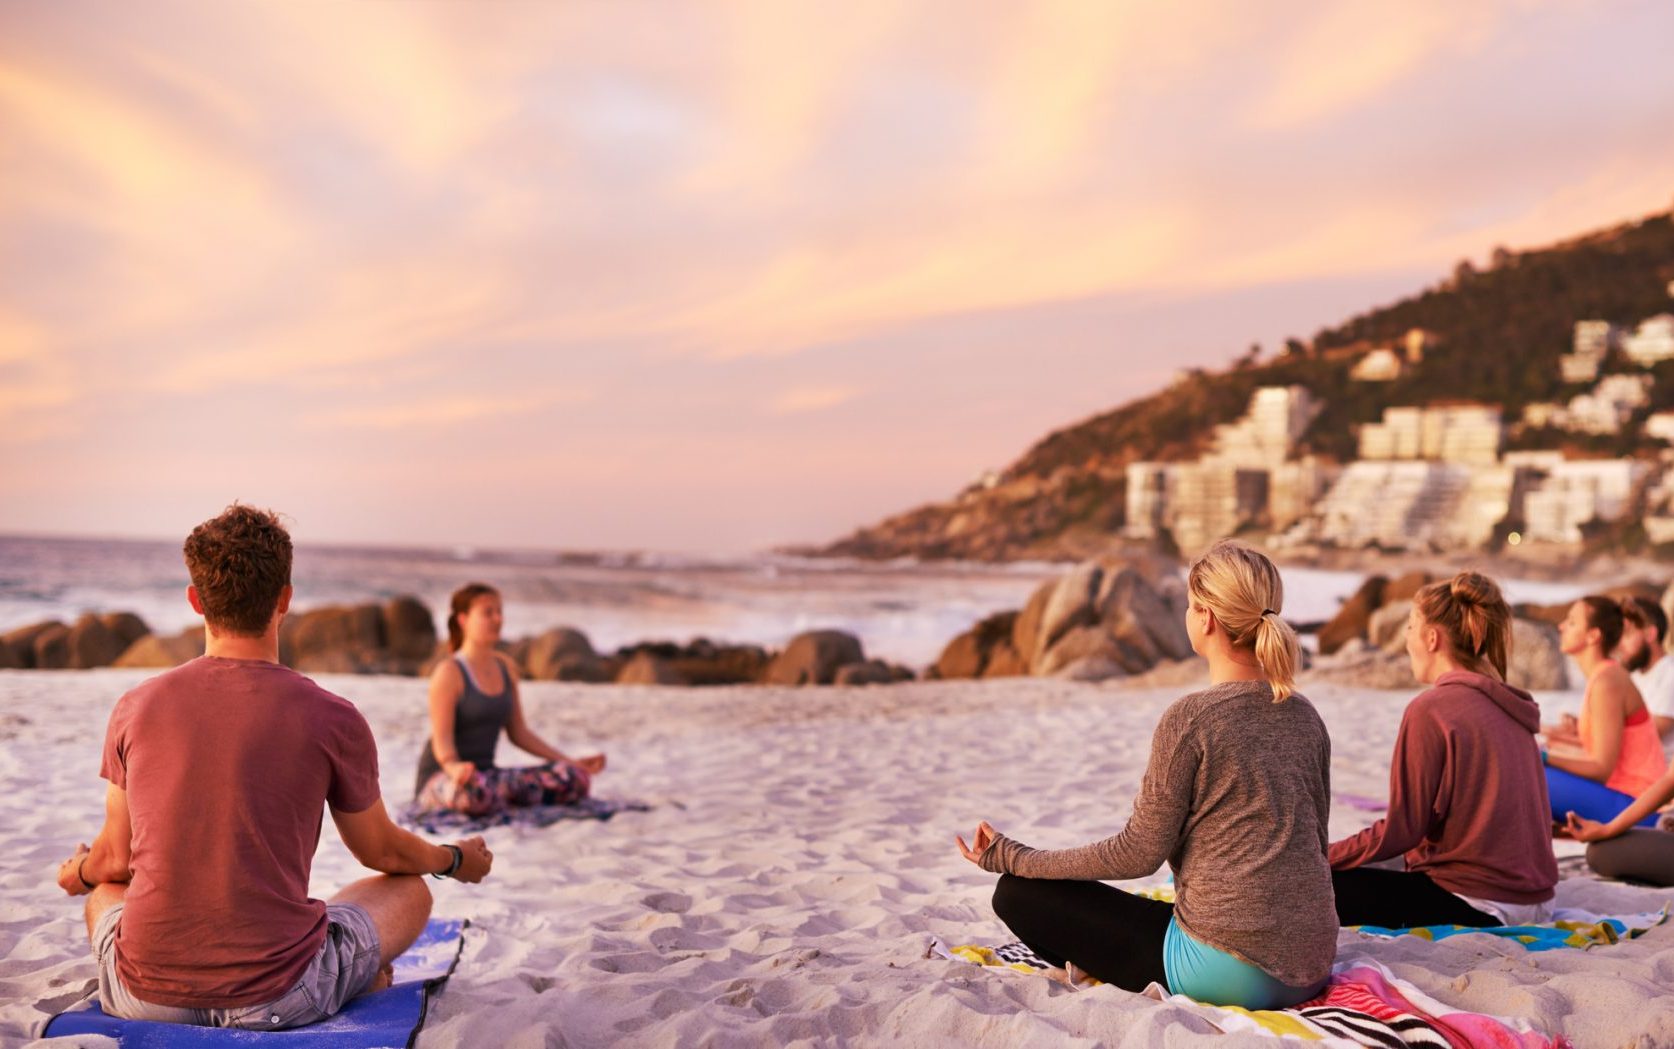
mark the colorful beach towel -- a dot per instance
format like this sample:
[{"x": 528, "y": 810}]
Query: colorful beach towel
[
  {"x": 1569, "y": 928},
  {"x": 525, "y": 816},
  {"x": 388, "y": 1019},
  {"x": 1364, "y": 1005}
]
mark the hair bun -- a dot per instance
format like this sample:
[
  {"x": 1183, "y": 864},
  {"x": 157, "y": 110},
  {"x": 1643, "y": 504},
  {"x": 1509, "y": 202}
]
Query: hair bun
[{"x": 1474, "y": 588}]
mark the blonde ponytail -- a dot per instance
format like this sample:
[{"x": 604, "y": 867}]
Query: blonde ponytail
[{"x": 1243, "y": 589}]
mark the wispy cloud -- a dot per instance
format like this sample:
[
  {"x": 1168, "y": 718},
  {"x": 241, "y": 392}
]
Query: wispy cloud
[
  {"x": 805, "y": 399},
  {"x": 441, "y": 412}
]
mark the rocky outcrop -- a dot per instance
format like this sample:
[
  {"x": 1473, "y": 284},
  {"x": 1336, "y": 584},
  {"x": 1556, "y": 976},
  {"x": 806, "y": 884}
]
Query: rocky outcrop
[
  {"x": 646, "y": 669},
  {"x": 156, "y": 651},
  {"x": 1352, "y": 619},
  {"x": 1387, "y": 628},
  {"x": 9, "y": 658},
  {"x": 1536, "y": 663},
  {"x": 21, "y": 642},
  {"x": 985, "y": 650},
  {"x": 871, "y": 672},
  {"x": 398, "y": 637},
  {"x": 1101, "y": 619},
  {"x": 813, "y": 658},
  {"x": 93, "y": 644},
  {"x": 555, "y": 650}
]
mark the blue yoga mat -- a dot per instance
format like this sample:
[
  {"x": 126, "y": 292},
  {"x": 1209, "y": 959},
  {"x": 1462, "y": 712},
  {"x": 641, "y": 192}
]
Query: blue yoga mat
[{"x": 389, "y": 1019}]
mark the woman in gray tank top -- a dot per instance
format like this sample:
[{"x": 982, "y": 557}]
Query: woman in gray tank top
[{"x": 473, "y": 698}]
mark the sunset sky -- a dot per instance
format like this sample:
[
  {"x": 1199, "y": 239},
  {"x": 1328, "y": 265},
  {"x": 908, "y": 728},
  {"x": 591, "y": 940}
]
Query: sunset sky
[{"x": 715, "y": 276}]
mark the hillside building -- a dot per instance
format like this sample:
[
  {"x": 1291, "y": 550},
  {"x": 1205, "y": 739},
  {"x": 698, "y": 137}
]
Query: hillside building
[
  {"x": 1608, "y": 406},
  {"x": 1459, "y": 433},
  {"x": 1266, "y": 434},
  {"x": 1660, "y": 425},
  {"x": 1414, "y": 504},
  {"x": 1573, "y": 494},
  {"x": 1652, "y": 341}
]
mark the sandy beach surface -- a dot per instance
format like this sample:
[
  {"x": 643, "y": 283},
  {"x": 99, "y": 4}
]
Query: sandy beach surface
[{"x": 797, "y": 863}]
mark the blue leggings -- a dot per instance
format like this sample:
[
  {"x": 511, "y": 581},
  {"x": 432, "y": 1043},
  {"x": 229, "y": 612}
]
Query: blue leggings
[{"x": 1585, "y": 797}]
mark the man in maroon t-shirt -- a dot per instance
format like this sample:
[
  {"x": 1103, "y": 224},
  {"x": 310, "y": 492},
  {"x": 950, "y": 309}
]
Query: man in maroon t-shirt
[{"x": 197, "y": 885}]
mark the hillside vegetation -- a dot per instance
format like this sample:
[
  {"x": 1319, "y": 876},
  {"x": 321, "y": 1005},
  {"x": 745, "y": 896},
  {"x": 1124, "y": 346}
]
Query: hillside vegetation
[{"x": 1498, "y": 333}]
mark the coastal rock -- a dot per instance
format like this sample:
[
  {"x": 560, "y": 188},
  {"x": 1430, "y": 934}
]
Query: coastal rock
[
  {"x": 813, "y": 658},
  {"x": 51, "y": 650},
  {"x": 9, "y": 659},
  {"x": 871, "y": 672},
  {"x": 647, "y": 669},
  {"x": 409, "y": 630},
  {"x": 127, "y": 627},
  {"x": 548, "y": 652},
  {"x": 1537, "y": 663},
  {"x": 1005, "y": 662},
  {"x": 1406, "y": 586},
  {"x": 1071, "y": 604},
  {"x": 154, "y": 650},
  {"x": 1136, "y": 610},
  {"x": 93, "y": 644},
  {"x": 1080, "y": 645},
  {"x": 337, "y": 639},
  {"x": 1387, "y": 629},
  {"x": 969, "y": 654},
  {"x": 591, "y": 670},
  {"x": 702, "y": 662},
  {"x": 1025, "y": 630},
  {"x": 1368, "y": 668},
  {"x": 22, "y": 641},
  {"x": 1352, "y": 619}
]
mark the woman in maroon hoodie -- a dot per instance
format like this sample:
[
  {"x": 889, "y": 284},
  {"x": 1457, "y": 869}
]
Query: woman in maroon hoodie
[{"x": 1468, "y": 810}]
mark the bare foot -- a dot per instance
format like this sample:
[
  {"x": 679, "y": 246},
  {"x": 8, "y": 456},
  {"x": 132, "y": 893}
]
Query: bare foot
[{"x": 382, "y": 981}]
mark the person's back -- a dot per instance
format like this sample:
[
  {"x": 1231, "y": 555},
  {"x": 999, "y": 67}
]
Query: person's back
[
  {"x": 1251, "y": 873},
  {"x": 228, "y": 764},
  {"x": 1486, "y": 829}
]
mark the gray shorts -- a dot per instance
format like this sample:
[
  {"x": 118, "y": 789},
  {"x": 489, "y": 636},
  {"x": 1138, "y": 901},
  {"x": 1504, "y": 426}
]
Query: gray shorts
[{"x": 344, "y": 967}]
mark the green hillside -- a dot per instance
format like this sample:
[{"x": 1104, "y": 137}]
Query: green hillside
[{"x": 1498, "y": 334}]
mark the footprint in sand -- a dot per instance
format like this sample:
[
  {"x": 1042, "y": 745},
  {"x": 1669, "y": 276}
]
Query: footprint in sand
[{"x": 668, "y": 902}]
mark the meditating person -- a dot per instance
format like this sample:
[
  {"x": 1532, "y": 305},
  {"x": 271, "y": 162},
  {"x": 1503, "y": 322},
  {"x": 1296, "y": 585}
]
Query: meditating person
[
  {"x": 1641, "y": 651},
  {"x": 1235, "y": 799},
  {"x": 1467, "y": 799},
  {"x": 197, "y": 884},
  {"x": 473, "y": 698},
  {"x": 1624, "y": 847},
  {"x": 1598, "y": 763}
]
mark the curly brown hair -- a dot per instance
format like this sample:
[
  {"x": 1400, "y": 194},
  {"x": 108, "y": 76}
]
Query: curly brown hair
[{"x": 239, "y": 563}]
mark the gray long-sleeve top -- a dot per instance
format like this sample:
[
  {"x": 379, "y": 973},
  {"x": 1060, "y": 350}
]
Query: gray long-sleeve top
[{"x": 1235, "y": 798}]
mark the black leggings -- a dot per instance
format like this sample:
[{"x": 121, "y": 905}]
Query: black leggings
[
  {"x": 1400, "y": 900},
  {"x": 1113, "y": 935},
  {"x": 1639, "y": 855}
]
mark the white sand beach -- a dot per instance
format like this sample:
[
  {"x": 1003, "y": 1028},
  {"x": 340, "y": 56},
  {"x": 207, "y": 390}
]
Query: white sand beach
[{"x": 798, "y": 862}]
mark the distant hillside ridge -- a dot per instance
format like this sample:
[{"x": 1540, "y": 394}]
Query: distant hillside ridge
[{"x": 1496, "y": 335}]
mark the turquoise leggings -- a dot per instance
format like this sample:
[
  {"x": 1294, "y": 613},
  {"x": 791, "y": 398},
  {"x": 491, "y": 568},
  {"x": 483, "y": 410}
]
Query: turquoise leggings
[{"x": 1200, "y": 971}]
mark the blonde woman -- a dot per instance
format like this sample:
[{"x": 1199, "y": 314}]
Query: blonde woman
[
  {"x": 1468, "y": 812},
  {"x": 1234, "y": 799}
]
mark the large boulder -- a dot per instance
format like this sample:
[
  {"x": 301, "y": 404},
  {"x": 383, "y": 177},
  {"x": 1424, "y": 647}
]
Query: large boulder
[
  {"x": 1537, "y": 663},
  {"x": 969, "y": 654},
  {"x": 409, "y": 630},
  {"x": 9, "y": 659},
  {"x": 22, "y": 640},
  {"x": 1071, "y": 604},
  {"x": 1005, "y": 662},
  {"x": 93, "y": 644},
  {"x": 52, "y": 648},
  {"x": 1025, "y": 629},
  {"x": 871, "y": 672},
  {"x": 1406, "y": 586},
  {"x": 154, "y": 650},
  {"x": 127, "y": 627},
  {"x": 338, "y": 639},
  {"x": 1387, "y": 629},
  {"x": 1352, "y": 619},
  {"x": 1081, "y": 644},
  {"x": 647, "y": 669},
  {"x": 1133, "y": 608},
  {"x": 549, "y": 651},
  {"x": 813, "y": 658},
  {"x": 1368, "y": 668}
]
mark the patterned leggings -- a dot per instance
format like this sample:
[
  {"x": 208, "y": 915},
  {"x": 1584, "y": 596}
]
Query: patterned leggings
[{"x": 495, "y": 790}]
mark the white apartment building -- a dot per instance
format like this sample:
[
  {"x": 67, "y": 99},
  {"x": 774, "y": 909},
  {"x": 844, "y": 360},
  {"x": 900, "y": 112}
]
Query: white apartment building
[
  {"x": 1661, "y": 426},
  {"x": 1414, "y": 505},
  {"x": 1594, "y": 338},
  {"x": 1609, "y": 405},
  {"x": 1652, "y": 341},
  {"x": 1461, "y": 433},
  {"x": 1574, "y": 493},
  {"x": 1579, "y": 367},
  {"x": 1147, "y": 499},
  {"x": 1267, "y": 433}
]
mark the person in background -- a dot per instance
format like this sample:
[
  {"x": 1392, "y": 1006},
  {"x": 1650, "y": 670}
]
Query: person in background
[
  {"x": 1641, "y": 652},
  {"x": 1468, "y": 811},
  {"x": 1235, "y": 799},
  {"x": 1613, "y": 752},
  {"x": 197, "y": 885},
  {"x": 1624, "y": 847},
  {"x": 473, "y": 699}
]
